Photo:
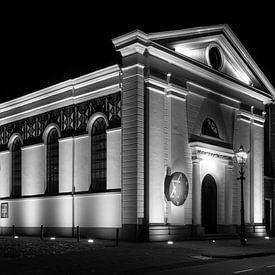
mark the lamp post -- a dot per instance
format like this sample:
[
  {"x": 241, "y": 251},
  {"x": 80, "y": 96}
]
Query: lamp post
[{"x": 241, "y": 157}]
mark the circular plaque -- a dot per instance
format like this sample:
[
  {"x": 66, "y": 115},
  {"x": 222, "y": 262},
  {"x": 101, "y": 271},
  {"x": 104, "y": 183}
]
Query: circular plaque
[{"x": 178, "y": 188}]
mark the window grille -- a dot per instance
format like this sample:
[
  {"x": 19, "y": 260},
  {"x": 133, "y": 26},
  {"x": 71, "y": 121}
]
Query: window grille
[
  {"x": 52, "y": 162},
  {"x": 98, "y": 156},
  {"x": 209, "y": 128},
  {"x": 16, "y": 168}
]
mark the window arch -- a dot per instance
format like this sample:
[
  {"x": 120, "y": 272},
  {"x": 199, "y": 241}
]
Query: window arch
[
  {"x": 52, "y": 162},
  {"x": 16, "y": 164},
  {"x": 98, "y": 155},
  {"x": 209, "y": 128}
]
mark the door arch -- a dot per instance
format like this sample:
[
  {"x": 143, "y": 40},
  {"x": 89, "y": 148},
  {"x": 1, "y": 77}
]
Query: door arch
[{"x": 209, "y": 204}]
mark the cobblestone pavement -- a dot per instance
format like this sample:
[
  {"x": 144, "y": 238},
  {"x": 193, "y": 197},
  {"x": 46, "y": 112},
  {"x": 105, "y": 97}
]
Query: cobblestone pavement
[
  {"x": 66, "y": 256},
  {"x": 33, "y": 256}
]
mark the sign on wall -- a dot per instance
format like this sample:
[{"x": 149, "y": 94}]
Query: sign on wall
[
  {"x": 176, "y": 188},
  {"x": 4, "y": 210}
]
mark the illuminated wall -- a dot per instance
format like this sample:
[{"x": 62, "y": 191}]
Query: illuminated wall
[
  {"x": 65, "y": 164},
  {"x": 33, "y": 170},
  {"x": 156, "y": 156},
  {"x": 180, "y": 157},
  {"x": 5, "y": 173},
  {"x": 114, "y": 159},
  {"x": 82, "y": 174}
]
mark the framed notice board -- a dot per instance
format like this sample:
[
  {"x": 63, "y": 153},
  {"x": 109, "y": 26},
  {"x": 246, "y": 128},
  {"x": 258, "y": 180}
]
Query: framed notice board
[{"x": 4, "y": 210}]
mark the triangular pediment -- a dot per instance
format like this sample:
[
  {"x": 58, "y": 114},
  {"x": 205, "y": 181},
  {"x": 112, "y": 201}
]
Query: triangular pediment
[{"x": 218, "y": 48}]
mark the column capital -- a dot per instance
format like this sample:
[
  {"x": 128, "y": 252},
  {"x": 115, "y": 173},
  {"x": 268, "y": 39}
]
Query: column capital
[{"x": 196, "y": 160}]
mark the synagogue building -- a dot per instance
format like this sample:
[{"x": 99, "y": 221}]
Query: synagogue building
[{"x": 146, "y": 147}]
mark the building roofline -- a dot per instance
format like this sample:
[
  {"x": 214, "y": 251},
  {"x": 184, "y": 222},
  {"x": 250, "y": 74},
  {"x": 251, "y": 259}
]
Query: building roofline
[{"x": 67, "y": 85}]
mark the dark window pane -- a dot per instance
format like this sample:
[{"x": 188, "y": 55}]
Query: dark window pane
[
  {"x": 98, "y": 154},
  {"x": 52, "y": 162},
  {"x": 16, "y": 168},
  {"x": 209, "y": 128}
]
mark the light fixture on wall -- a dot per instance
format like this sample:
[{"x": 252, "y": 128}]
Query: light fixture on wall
[{"x": 241, "y": 156}]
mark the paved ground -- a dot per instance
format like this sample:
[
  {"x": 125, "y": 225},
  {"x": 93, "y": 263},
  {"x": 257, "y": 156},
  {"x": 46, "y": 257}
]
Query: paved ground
[{"x": 66, "y": 256}]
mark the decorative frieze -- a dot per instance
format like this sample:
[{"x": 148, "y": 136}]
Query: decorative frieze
[{"x": 71, "y": 119}]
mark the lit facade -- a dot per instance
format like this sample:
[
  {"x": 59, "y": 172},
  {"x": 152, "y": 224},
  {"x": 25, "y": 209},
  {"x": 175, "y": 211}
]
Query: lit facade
[{"x": 146, "y": 147}]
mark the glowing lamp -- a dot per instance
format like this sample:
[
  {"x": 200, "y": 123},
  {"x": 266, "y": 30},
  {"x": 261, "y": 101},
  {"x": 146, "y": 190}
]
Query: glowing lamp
[
  {"x": 241, "y": 156},
  {"x": 90, "y": 241},
  {"x": 170, "y": 242},
  {"x": 52, "y": 238},
  {"x": 16, "y": 237}
]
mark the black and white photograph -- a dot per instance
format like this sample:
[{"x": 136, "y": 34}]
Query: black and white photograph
[{"x": 137, "y": 138}]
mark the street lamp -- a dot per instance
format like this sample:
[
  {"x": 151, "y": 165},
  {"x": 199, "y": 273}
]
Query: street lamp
[{"x": 241, "y": 157}]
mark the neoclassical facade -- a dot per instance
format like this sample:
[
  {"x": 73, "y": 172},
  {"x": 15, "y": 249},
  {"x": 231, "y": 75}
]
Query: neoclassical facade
[{"x": 146, "y": 147}]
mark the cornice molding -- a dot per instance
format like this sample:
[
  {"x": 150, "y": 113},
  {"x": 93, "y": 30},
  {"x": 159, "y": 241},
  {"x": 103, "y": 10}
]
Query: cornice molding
[
  {"x": 69, "y": 88},
  {"x": 250, "y": 118},
  {"x": 168, "y": 89},
  {"x": 206, "y": 73},
  {"x": 199, "y": 149},
  {"x": 132, "y": 49},
  {"x": 129, "y": 37}
]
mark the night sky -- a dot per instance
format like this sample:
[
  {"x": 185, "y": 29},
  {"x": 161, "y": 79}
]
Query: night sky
[{"x": 44, "y": 46}]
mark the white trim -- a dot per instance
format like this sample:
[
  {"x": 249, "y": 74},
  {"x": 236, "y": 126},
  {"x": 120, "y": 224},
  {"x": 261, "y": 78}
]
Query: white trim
[
  {"x": 61, "y": 103},
  {"x": 32, "y": 146},
  {"x": 213, "y": 149},
  {"x": 193, "y": 84},
  {"x": 206, "y": 73},
  {"x": 174, "y": 95},
  {"x": 138, "y": 65},
  {"x": 250, "y": 116},
  {"x": 168, "y": 87},
  {"x": 113, "y": 130},
  {"x": 181, "y": 34},
  {"x": 81, "y": 136},
  {"x": 62, "y": 87},
  {"x": 94, "y": 80},
  {"x": 93, "y": 118},
  {"x": 65, "y": 139},
  {"x": 90, "y": 95},
  {"x": 156, "y": 81},
  {"x": 156, "y": 90},
  {"x": 133, "y": 35},
  {"x": 133, "y": 48},
  {"x": 98, "y": 194},
  {"x": 12, "y": 138},
  {"x": 185, "y": 32},
  {"x": 48, "y": 129}
]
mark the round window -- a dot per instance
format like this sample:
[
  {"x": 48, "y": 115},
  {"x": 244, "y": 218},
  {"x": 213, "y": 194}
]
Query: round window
[{"x": 215, "y": 58}]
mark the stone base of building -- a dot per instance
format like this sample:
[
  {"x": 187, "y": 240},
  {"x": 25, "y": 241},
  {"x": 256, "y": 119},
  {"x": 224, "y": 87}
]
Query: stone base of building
[
  {"x": 254, "y": 230},
  {"x": 133, "y": 232},
  {"x": 168, "y": 232}
]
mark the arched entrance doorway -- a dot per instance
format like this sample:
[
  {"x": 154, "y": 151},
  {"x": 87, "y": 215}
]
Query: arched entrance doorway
[{"x": 209, "y": 204}]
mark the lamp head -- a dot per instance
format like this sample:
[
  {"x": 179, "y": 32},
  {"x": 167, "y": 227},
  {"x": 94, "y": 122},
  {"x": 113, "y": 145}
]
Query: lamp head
[{"x": 241, "y": 156}]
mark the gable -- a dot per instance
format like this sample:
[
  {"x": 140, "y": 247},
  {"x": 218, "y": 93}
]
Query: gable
[{"x": 218, "y": 48}]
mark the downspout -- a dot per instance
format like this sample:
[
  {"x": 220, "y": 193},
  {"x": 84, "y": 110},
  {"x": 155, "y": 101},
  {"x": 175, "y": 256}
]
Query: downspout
[
  {"x": 120, "y": 77},
  {"x": 251, "y": 166},
  {"x": 73, "y": 167}
]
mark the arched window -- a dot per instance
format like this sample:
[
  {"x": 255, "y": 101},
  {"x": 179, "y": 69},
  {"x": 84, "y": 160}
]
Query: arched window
[
  {"x": 16, "y": 168},
  {"x": 98, "y": 155},
  {"x": 209, "y": 128},
  {"x": 52, "y": 162}
]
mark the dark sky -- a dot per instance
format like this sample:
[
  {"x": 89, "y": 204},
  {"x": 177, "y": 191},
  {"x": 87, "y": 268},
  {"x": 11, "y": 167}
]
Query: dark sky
[{"x": 44, "y": 46}]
